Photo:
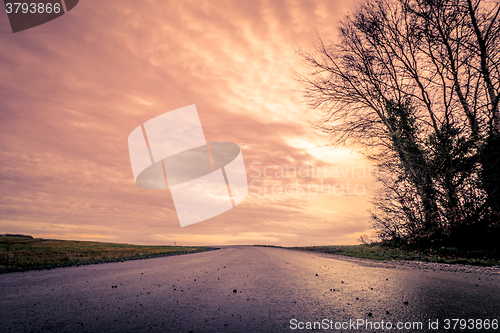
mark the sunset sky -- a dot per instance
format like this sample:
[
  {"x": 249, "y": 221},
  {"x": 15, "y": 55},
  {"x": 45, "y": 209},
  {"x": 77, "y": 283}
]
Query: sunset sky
[{"x": 73, "y": 89}]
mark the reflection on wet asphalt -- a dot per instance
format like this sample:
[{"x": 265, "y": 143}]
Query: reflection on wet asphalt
[{"x": 240, "y": 289}]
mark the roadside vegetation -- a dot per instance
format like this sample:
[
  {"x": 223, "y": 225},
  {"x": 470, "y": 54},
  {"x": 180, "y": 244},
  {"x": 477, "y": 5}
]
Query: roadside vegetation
[
  {"x": 379, "y": 251},
  {"x": 384, "y": 251},
  {"x": 20, "y": 252}
]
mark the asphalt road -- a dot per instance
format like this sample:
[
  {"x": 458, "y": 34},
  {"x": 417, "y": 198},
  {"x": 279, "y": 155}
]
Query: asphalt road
[{"x": 244, "y": 289}]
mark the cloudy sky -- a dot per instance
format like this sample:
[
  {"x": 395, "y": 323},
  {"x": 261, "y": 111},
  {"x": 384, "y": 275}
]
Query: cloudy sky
[{"x": 73, "y": 89}]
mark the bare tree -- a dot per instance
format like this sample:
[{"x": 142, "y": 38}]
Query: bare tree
[{"x": 416, "y": 84}]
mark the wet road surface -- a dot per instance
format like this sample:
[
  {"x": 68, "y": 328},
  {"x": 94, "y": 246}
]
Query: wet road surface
[{"x": 243, "y": 289}]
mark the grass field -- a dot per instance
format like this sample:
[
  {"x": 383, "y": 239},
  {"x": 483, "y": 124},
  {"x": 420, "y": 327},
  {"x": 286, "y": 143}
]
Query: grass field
[
  {"x": 379, "y": 252},
  {"x": 23, "y": 253}
]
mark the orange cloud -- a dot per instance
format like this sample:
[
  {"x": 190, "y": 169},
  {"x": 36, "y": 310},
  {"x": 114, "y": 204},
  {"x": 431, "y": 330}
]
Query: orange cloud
[{"x": 73, "y": 90}]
